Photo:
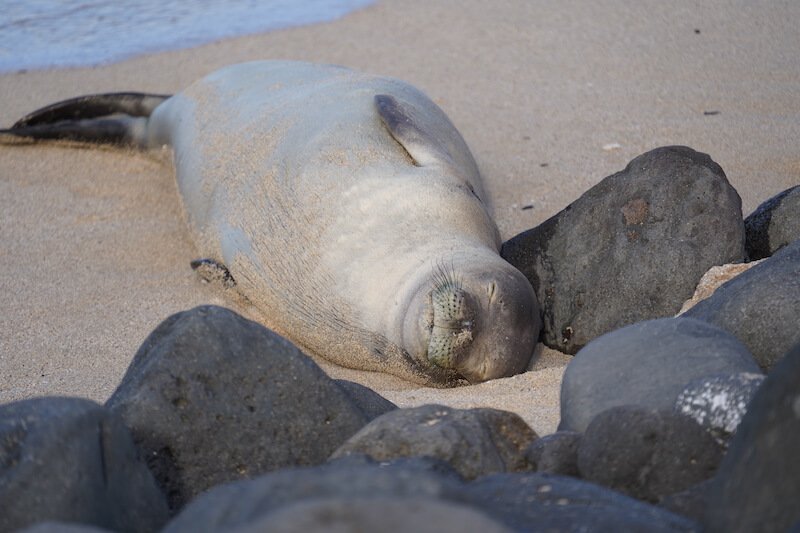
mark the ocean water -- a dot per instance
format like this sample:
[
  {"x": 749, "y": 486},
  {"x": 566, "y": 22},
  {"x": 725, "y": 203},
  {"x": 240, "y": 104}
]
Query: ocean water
[{"x": 62, "y": 33}]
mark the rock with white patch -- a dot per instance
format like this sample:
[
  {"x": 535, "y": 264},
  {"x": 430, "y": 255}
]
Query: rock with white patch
[
  {"x": 757, "y": 487},
  {"x": 646, "y": 364},
  {"x": 718, "y": 403}
]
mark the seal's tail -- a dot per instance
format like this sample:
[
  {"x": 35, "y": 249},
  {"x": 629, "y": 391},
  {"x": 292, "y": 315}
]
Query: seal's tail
[{"x": 112, "y": 118}]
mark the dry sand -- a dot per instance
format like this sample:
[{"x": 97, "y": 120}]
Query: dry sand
[{"x": 551, "y": 97}]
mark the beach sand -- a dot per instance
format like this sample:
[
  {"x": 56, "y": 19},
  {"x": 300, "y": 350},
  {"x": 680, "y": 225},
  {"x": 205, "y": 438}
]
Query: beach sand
[{"x": 550, "y": 96}]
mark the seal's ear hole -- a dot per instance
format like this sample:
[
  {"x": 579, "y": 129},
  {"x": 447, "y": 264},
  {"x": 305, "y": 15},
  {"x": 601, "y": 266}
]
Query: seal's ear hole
[{"x": 404, "y": 123}]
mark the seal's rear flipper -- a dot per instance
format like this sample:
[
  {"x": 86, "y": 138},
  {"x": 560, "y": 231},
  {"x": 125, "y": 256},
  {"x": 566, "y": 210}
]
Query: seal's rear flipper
[
  {"x": 94, "y": 106},
  {"x": 212, "y": 271},
  {"x": 113, "y": 118},
  {"x": 120, "y": 131}
]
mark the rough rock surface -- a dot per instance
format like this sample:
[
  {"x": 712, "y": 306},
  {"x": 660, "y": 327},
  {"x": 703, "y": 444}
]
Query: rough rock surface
[
  {"x": 208, "y": 373},
  {"x": 757, "y": 487},
  {"x": 691, "y": 503},
  {"x": 71, "y": 460},
  {"x": 773, "y": 224},
  {"x": 370, "y": 402},
  {"x": 632, "y": 247},
  {"x": 645, "y": 453},
  {"x": 237, "y": 504},
  {"x": 646, "y": 364},
  {"x": 62, "y": 527},
  {"x": 718, "y": 403},
  {"x": 556, "y": 453},
  {"x": 546, "y": 502},
  {"x": 370, "y": 513},
  {"x": 475, "y": 442},
  {"x": 522, "y": 502},
  {"x": 761, "y": 307}
]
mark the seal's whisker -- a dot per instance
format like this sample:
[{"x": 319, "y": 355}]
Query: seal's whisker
[{"x": 445, "y": 278}]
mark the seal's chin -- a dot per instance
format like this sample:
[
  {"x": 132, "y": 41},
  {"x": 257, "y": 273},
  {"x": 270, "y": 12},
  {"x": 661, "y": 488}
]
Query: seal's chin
[{"x": 478, "y": 323}]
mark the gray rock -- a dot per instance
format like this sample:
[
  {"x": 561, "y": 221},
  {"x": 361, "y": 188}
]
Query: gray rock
[
  {"x": 545, "y": 502},
  {"x": 211, "y": 397},
  {"x": 556, "y": 453},
  {"x": 632, "y": 248},
  {"x": 370, "y": 402},
  {"x": 773, "y": 224},
  {"x": 370, "y": 513},
  {"x": 519, "y": 501},
  {"x": 645, "y": 453},
  {"x": 718, "y": 403},
  {"x": 71, "y": 460},
  {"x": 238, "y": 504},
  {"x": 757, "y": 487},
  {"x": 475, "y": 442},
  {"x": 646, "y": 364},
  {"x": 761, "y": 306},
  {"x": 691, "y": 503},
  {"x": 62, "y": 527}
]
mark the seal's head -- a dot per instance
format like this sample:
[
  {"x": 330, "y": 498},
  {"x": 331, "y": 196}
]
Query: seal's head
[{"x": 478, "y": 320}]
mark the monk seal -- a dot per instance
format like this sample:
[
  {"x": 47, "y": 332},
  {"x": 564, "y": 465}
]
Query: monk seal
[{"x": 344, "y": 206}]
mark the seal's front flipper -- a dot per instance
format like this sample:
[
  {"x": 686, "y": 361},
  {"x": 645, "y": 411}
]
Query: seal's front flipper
[
  {"x": 405, "y": 126},
  {"x": 113, "y": 118},
  {"x": 212, "y": 271}
]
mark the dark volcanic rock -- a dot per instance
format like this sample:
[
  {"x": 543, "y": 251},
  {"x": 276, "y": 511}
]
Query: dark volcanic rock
[
  {"x": 211, "y": 397},
  {"x": 773, "y": 224},
  {"x": 545, "y": 502},
  {"x": 370, "y": 402},
  {"x": 761, "y": 306},
  {"x": 237, "y": 504},
  {"x": 718, "y": 403},
  {"x": 522, "y": 502},
  {"x": 691, "y": 503},
  {"x": 371, "y": 513},
  {"x": 633, "y": 247},
  {"x": 475, "y": 442},
  {"x": 71, "y": 460},
  {"x": 62, "y": 527},
  {"x": 645, "y": 453},
  {"x": 556, "y": 453},
  {"x": 646, "y": 364},
  {"x": 757, "y": 487}
]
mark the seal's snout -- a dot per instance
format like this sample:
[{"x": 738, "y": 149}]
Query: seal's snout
[
  {"x": 481, "y": 323},
  {"x": 451, "y": 323}
]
